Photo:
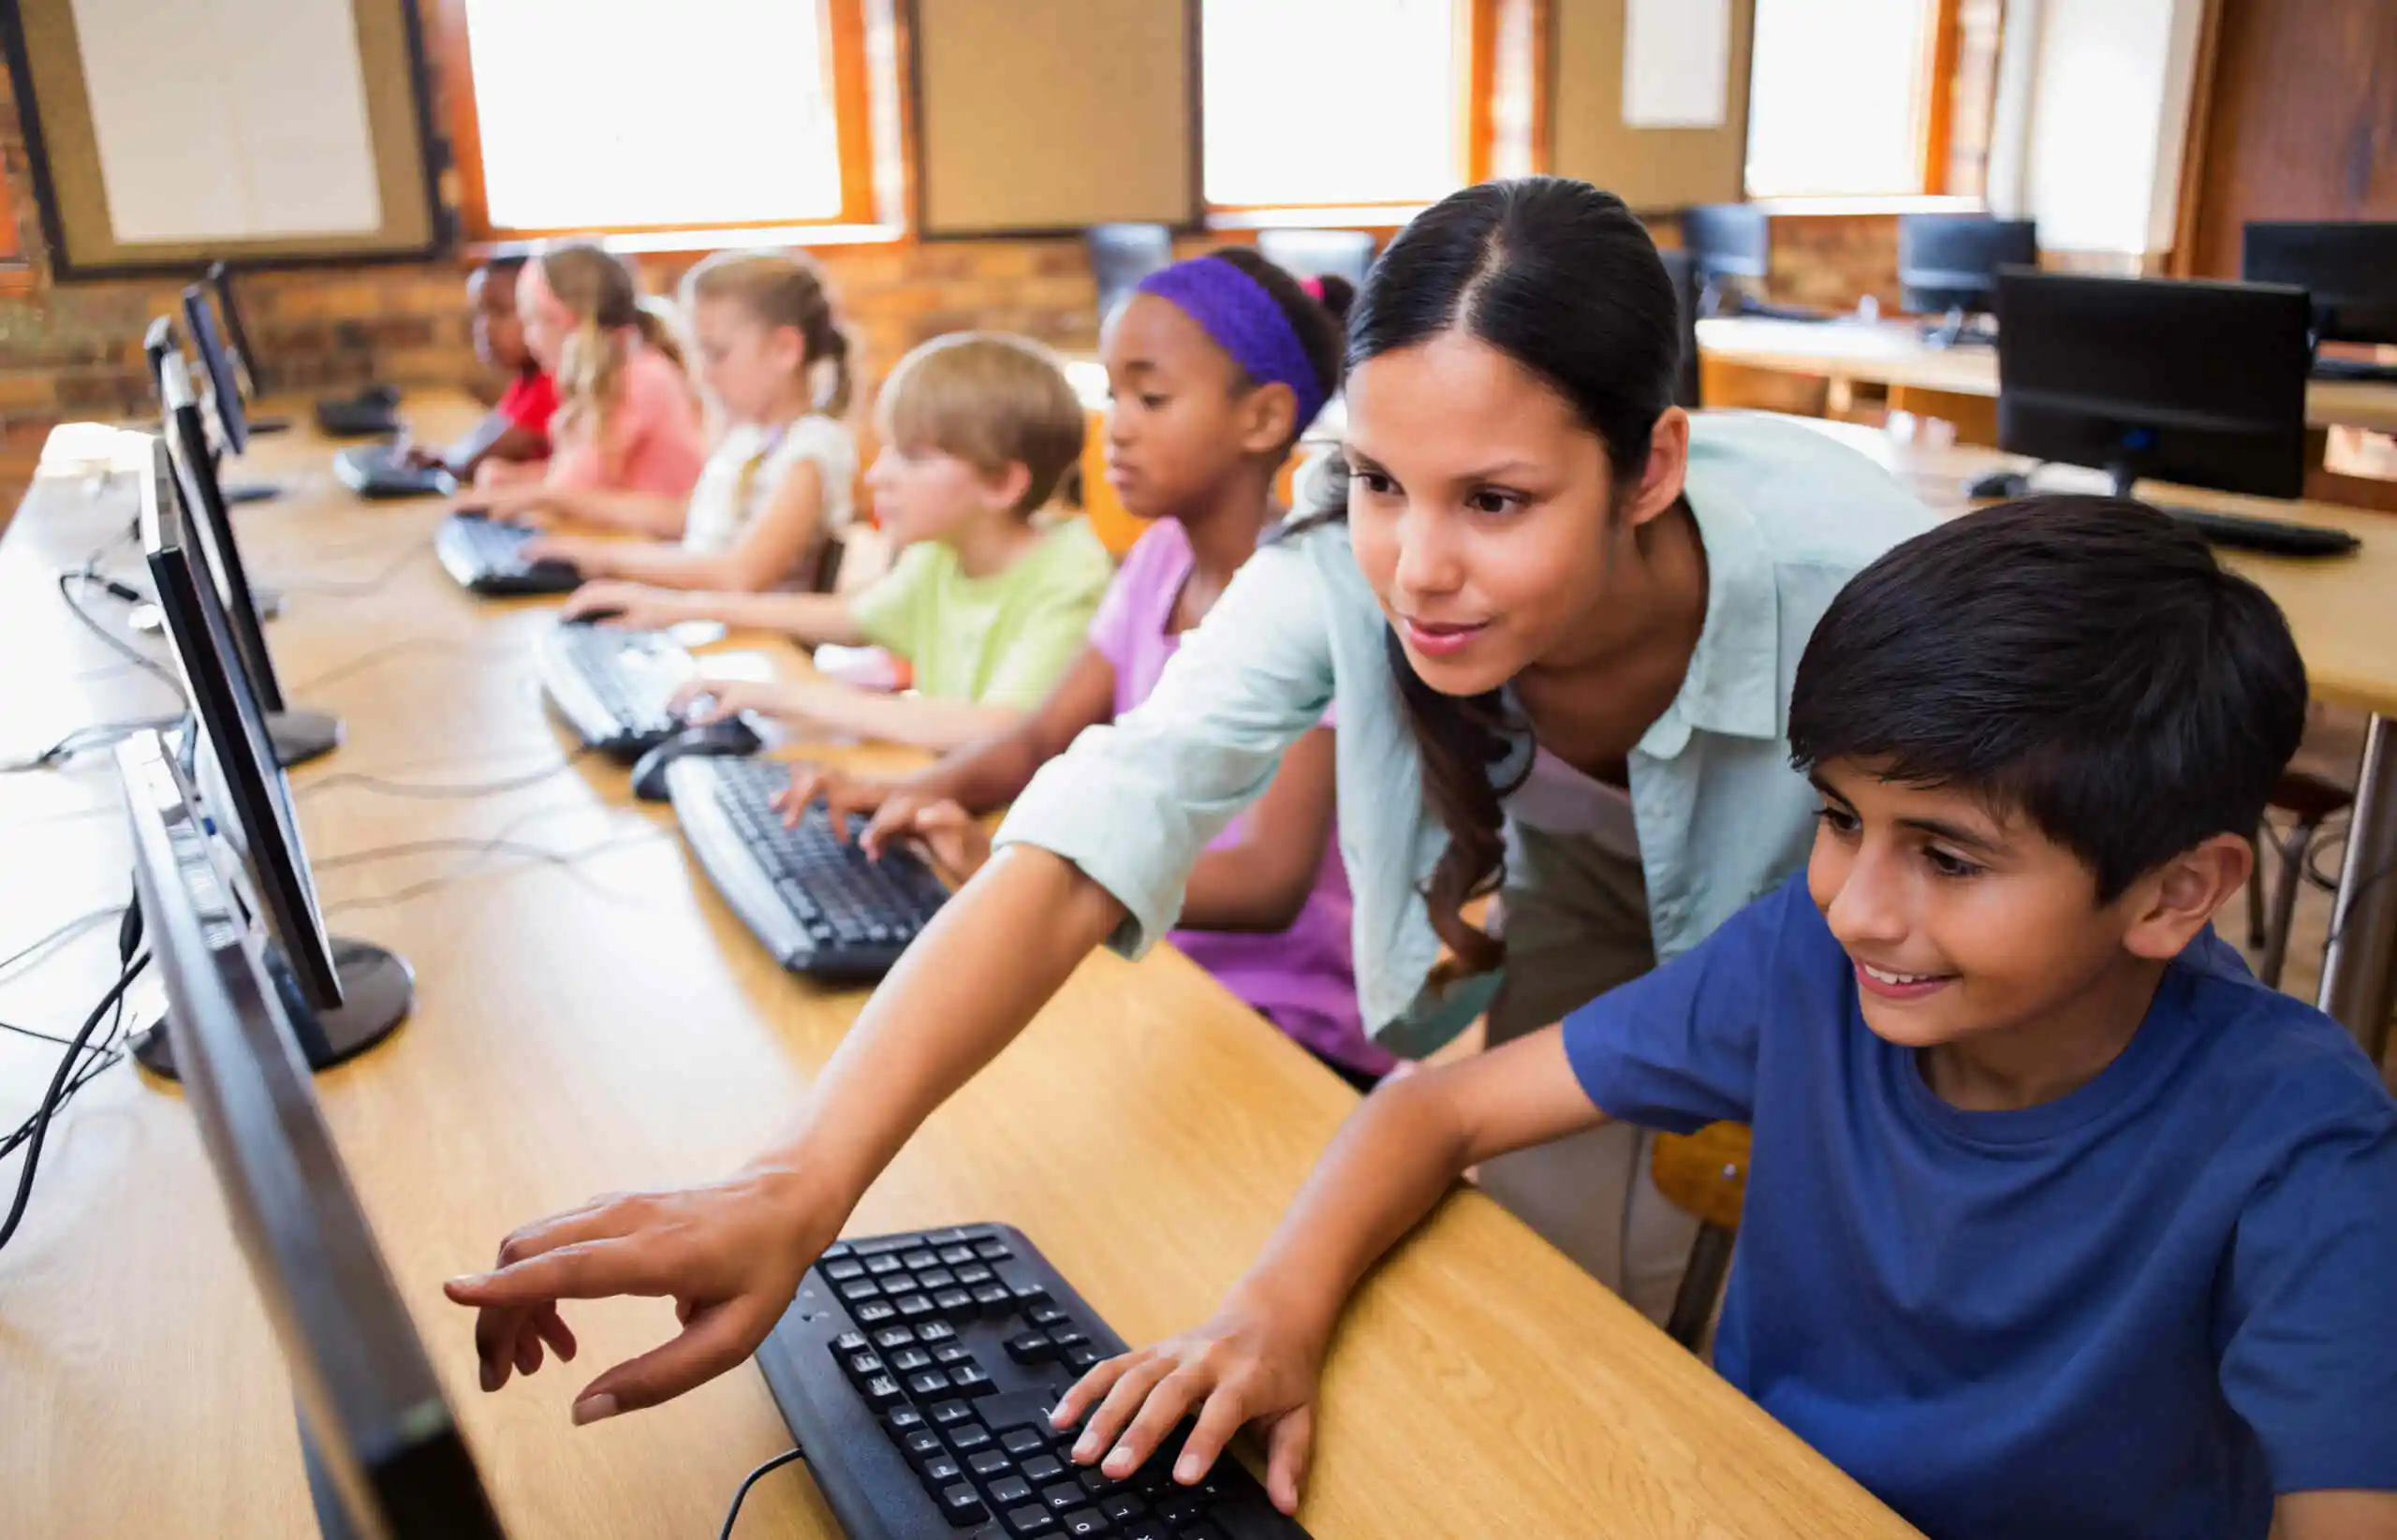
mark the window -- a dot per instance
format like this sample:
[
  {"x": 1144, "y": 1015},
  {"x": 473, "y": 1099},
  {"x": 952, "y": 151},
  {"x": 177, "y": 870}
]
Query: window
[
  {"x": 1334, "y": 103},
  {"x": 573, "y": 115},
  {"x": 1849, "y": 98}
]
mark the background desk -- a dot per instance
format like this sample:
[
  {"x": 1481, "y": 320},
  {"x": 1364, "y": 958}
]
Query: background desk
[
  {"x": 2342, "y": 611},
  {"x": 612, "y": 1025},
  {"x": 1893, "y": 353}
]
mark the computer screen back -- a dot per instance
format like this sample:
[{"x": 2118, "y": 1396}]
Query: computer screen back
[
  {"x": 234, "y": 726},
  {"x": 2198, "y": 382},
  {"x": 1728, "y": 241},
  {"x": 203, "y": 503},
  {"x": 225, "y": 390},
  {"x": 1950, "y": 261},
  {"x": 2350, "y": 270},
  {"x": 383, "y": 1450}
]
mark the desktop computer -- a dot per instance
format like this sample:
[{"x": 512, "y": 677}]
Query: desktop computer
[
  {"x": 1947, "y": 266},
  {"x": 382, "y": 1449},
  {"x": 2200, "y": 383},
  {"x": 296, "y": 733},
  {"x": 224, "y": 392},
  {"x": 2349, "y": 274},
  {"x": 356, "y": 993},
  {"x": 1731, "y": 245},
  {"x": 241, "y": 353}
]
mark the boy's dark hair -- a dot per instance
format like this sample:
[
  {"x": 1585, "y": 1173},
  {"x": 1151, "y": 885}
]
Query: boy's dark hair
[{"x": 2083, "y": 659}]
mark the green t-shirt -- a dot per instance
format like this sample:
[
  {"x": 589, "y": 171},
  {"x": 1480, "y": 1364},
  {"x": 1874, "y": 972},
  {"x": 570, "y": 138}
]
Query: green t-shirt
[{"x": 1001, "y": 640}]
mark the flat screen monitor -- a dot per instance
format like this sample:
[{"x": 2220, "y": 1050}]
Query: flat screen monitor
[
  {"x": 1949, "y": 262},
  {"x": 2350, "y": 271}
]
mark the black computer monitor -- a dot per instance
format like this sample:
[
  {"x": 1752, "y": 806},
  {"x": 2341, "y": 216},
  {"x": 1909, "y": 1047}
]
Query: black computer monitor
[
  {"x": 358, "y": 993},
  {"x": 1727, "y": 241},
  {"x": 2200, "y": 383},
  {"x": 1948, "y": 263},
  {"x": 383, "y": 1451},
  {"x": 156, "y": 345},
  {"x": 224, "y": 386},
  {"x": 240, "y": 353},
  {"x": 1684, "y": 274},
  {"x": 1122, "y": 254},
  {"x": 2350, "y": 270}
]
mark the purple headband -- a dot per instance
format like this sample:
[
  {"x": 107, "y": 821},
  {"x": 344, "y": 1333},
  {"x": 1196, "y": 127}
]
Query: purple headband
[{"x": 1244, "y": 321}]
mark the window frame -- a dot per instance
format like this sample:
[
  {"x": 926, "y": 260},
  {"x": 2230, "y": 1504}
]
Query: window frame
[
  {"x": 16, "y": 262},
  {"x": 1936, "y": 89},
  {"x": 847, "y": 82},
  {"x": 1476, "y": 34}
]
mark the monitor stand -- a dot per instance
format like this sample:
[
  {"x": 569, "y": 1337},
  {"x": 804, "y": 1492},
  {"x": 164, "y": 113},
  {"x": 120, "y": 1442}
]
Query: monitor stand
[
  {"x": 1956, "y": 330},
  {"x": 377, "y": 989},
  {"x": 300, "y": 734}
]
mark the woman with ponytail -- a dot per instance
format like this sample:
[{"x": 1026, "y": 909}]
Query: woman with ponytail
[
  {"x": 1558, "y": 622},
  {"x": 626, "y": 447}
]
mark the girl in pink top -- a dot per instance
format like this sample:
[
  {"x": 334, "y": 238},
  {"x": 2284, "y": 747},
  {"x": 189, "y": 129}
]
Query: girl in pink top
[{"x": 628, "y": 444}]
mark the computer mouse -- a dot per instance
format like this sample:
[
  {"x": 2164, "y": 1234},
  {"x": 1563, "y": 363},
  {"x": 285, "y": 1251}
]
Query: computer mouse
[
  {"x": 731, "y": 736},
  {"x": 1998, "y": 484},
  {"x": 594, "y": 615}
]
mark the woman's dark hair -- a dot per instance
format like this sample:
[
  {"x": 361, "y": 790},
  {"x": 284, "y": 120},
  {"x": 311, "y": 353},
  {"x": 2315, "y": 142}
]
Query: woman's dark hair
[
  {"x": 1562, "y": 279},
  {"x": 1318, "y": 322}
]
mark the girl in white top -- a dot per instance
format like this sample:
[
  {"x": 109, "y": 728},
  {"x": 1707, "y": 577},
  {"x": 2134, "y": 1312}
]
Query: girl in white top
[{"x": 779, "y": 484}]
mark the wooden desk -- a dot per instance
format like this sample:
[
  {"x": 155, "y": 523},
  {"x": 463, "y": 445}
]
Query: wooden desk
[
  {"x": 1892, "y": 353},
  {"x": 612, "y": 1025},
  {"x": 2342, "y": 611}
]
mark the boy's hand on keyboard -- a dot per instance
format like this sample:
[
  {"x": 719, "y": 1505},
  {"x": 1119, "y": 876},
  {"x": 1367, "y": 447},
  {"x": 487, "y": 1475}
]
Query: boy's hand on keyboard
[
  {"x": 702, "y": 701},
  {"x": 954, "y": 838},
  {"x": 727, "y": 1253},
  {"x": 841, "y": 793},
  {"x": 1253, "y": 1362},
  {"x": 630, "y": 606}
]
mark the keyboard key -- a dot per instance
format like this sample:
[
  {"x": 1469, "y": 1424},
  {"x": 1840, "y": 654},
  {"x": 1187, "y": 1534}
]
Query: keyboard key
[
  {"x": 933, "y": 1332},
  {"x": 837, "y": 1251},
  {"x": 1025, "y": 1294},
  {"x": 969, "y": 1438},
  {"x": 858, "y": 1290},
  {"x": 917, "y": 1260},
  {"x": 903, "y": 1420},
  {"x": 933, "y": 1280},
  {"x": 841, "y": 1271},
  {"x": 915, "y": 1307},
  {"x": 945, "y": 1238},
  {"x": 960, "y": 1505},
  {"x": 865, "y": 1366},
  {"x": 1081, "y": 1359},
  {"x": 989, "y": 1464},
  {"x": 994, "y": 1297},
  {"x": 922, "y": 1444},
  {"x": 883, "y": 1266},
  {"x": 1011, "y": 1492},
  {"x": 970, "y": 1378},
  {"x": 889, "y": 1337},
  {"x": 1061, "y": 1496},
  {"x": 1123, "y": 1507},
  {"x": 1179, "y": 1508},
  {"x": 1024, "y": 1442},
  {"x": 880, "y": 1392},
  {"x": 952, "y": 1352},
  {"x": 1031, "y": 1347},
  {"x": 974, "y": 1275},
  {"x": 1147, "y": 1529},
  {"x": 1084, "y": 1522},
  {"x": 1042, "y": 1469},
  {"x": 881, "y": 1244},
  {"x": 941, "y": 1471},
  {"x": 907, "y": 1360},
  {"x": 993, "y": 1251},
  {"x": 956, "y": 1255},
  {"x": 1097, "y": 1482},
  {"x": 1045, "y": 1315},
  {"x": 874, "y": 1312},
  {"x": 848, "y": 1343},
  {"x": 931, "y": 1382},
  {"x": 949, "y": 1414},
  {"x": 954, "y": 1302},
  {"x": 1068, "y": 1336},
  {"x": 1029, "y": 1521}
]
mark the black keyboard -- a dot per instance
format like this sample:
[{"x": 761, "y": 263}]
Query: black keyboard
[
  {"x": 613, "y": 687},
  {"x": 820, "y": 905},
  {"x": 2266, "y": 534},
  {"x": 2360, "y": 371},
  {"x": 381, "y": 470},
  {"x": 488, "y": 558},
  {"x": 917, "y": 1372}
]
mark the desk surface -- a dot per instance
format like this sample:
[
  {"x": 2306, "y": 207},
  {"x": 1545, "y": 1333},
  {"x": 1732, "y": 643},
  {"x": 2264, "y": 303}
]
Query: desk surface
[
  {"x": 1893, "y": 353},
  {"x": 2340, "y": 607},
  {"x": 611, "y": 1025}
]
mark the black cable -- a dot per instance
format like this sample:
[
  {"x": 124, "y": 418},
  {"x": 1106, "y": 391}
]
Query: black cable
[
  {"x": 768, "y": 1468},
  {"x": 436, "y": 791},
  {"x": 66, "y": 583},
  {"x": 39, "y": 1127}
]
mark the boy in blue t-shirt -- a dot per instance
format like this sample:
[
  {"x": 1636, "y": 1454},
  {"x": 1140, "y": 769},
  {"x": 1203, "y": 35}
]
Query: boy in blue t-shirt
[{"x": 2059, "y": 1223}]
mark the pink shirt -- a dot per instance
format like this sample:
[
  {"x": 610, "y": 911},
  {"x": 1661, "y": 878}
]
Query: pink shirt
[
  {"x": 1299, "y": 978},
  {"x": 653, "y": 441}
]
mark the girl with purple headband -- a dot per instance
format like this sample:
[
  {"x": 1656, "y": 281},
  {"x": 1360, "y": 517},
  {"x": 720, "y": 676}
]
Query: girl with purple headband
[
  {"x": 1559, "y": 619},
  {"x": 1217, "y": 364}
]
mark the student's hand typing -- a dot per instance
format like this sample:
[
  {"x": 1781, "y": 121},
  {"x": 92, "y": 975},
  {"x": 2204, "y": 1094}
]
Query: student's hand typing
[
  {"x": 1255, "y": 1361},
  {"x": 841, "y": 793},
  {"x": 633, "y": 607},
  {"x": 729, "y": 1253},
  {"x": 954, "y": 838},
  {"x": 507, "y": 505},
  {"x": 705, "y": 701},
  {"x": 580, "y": 551}
]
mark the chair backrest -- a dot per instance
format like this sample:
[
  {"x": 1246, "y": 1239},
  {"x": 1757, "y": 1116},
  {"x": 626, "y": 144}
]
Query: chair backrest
[
  {"x": 1705, "y": 1173},
  {"x": 1122, "y": 254},
  {"x": 1319, "y": 254}
]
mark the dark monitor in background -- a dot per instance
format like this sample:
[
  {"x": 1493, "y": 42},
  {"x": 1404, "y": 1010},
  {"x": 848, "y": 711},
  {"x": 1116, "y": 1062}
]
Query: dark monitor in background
[
  {"x": 355, "y": 992},
  {"x": 297, "y": 735},
  {"x": 1122, "y": 254},
  {"x": 1319, "y": 254},
  {"x": 2200, "y": 383},
  {"x": 1728, "y": 244},
  {"x": 242, "y": 351},
  {"x": 2349, "y": 271},
  {"x": 383, "y": 1451},
  {"x": 223, "y": 390},
  {"x": 157, "y": 344},
  {"x": 1947, "y": 266},
  {"x": 1684, "y": 274}
]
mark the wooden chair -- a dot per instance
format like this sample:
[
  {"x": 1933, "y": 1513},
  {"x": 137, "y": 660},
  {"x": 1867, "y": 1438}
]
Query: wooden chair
[{"x": 1705, "y": 1174}]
